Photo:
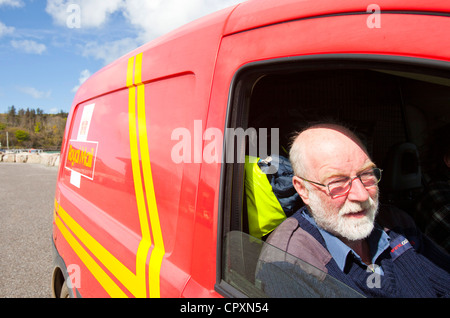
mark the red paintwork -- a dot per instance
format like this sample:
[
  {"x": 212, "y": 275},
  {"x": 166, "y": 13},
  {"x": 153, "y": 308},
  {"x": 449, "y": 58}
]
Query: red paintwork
[{"x": 188, "y": 74}]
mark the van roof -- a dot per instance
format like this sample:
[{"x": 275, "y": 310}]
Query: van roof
[{"x": 257, "y": 13}]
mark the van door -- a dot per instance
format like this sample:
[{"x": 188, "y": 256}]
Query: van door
[{"x": 285, "y": 74}]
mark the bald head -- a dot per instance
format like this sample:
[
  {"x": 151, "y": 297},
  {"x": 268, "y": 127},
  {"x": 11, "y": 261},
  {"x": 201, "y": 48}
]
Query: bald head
[{"x": 320, "y": 143}]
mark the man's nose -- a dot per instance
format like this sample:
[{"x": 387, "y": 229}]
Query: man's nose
[{"x": 358, "y": 191}]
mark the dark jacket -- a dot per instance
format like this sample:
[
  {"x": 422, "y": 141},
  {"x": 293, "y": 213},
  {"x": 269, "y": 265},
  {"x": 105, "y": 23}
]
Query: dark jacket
[{"x": 418, "y": 271}]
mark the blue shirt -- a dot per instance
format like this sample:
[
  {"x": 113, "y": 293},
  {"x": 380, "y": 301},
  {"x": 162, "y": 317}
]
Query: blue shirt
[{"x": 378, "y": 242}]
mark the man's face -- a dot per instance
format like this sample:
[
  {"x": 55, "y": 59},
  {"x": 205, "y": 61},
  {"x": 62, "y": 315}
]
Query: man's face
[
  {"x": 332, "y": 155},
  {"x": 352, "y": 220}
]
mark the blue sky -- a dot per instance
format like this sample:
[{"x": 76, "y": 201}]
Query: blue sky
[{"x": 49, "y": 47}]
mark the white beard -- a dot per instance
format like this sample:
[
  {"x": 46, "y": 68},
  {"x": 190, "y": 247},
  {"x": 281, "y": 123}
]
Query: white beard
[{"x": 346, "y": 227}]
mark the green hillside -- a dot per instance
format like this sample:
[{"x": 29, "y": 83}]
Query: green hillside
[{"x": 30, "y": 128}]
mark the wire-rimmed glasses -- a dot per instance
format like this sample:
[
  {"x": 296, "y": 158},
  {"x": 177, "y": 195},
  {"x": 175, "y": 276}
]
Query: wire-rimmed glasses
[{"x": 342, "y": 186}]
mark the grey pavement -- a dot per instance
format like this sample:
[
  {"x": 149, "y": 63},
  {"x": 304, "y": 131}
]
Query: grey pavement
[{"x": 26, "y": 212}]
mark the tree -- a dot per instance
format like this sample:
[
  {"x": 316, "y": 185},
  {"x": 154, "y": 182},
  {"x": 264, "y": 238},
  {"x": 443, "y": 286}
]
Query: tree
[
  {"x": 32, "y": 128},
  {"x": 22, "y": 135},
  {"x": 37, "y": 127},
  {"x": 11, "y": 116}
]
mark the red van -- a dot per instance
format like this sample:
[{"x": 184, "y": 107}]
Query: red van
[{"x": 151, "y": 197}]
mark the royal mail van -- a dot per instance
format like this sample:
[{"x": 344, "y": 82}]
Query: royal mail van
[{"x": 155, "y": 197}]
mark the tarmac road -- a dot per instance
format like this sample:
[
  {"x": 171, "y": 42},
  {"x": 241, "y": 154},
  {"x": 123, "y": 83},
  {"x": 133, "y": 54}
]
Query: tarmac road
[{"x": 26, "y": 212}]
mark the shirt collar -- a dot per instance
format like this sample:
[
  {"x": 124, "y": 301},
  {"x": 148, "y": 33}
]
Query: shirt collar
[{"x": 378, "y": 242}]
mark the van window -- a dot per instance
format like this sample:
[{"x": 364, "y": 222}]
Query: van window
[
  {"x": 394, "y": 105},
  {"x": 258, "y": 269}
]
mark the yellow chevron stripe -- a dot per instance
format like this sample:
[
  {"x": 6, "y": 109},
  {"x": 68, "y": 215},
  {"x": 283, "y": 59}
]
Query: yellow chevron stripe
[
  {"x": 158, "y": 250},
  {"x": 145, "y": 243},
  {"x": 107, "y": 283}
]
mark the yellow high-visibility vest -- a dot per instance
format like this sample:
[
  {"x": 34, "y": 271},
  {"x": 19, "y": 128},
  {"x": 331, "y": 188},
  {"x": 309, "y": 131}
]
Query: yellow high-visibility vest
[{"x": 263, "y": 208}]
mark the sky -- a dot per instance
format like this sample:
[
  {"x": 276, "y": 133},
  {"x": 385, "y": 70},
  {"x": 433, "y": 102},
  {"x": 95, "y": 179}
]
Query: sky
[{"x": 48, "y": 48}]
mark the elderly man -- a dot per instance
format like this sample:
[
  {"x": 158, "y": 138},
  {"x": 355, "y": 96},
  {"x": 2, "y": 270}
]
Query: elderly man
[{"x": 336, "y": 230}]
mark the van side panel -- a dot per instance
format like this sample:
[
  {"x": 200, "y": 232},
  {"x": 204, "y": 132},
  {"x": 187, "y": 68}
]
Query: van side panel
[
  {"x": 175, "y": 184},
  {"x": 125, "y": 205},
  {"x": 97, "y": 189},
  {"x": 177, "y": 75},
  {"x": 399, "y": 34}
]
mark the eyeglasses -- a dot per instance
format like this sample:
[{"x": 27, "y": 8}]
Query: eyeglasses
[{"x": 342, "y": 186}]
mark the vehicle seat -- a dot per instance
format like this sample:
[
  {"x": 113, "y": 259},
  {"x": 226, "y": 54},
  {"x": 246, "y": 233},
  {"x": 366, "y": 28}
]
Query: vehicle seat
[{"x": 401, "y": 183}]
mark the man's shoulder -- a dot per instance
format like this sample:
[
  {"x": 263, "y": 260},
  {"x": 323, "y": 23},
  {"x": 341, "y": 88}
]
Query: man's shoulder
[
  {"x": 281, "y": 236},
  {"x": 290, "y": 237}
]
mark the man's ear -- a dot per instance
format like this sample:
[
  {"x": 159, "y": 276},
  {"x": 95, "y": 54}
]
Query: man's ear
[
  {"x": 447, "y": 160},
  {"x": 299, "y": 186}
]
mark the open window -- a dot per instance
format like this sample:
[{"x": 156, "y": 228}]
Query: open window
[{"x": 393, "y": 104}]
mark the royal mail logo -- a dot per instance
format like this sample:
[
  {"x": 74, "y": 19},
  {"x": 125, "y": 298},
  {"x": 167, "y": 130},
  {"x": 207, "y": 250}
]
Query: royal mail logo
[{"x": 81, "y": 157}]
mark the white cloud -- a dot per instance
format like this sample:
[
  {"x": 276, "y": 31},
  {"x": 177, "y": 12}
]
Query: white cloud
[
  {"x": 54, "y": 110},
  {"x": 110, "y": 51},
  {"x": 58, "y": 10},
  {"x": 93, "y": 13},
  {"x": 5, "y": 30},
  {"x": 156, "y": 17},
  {"x": 33, "y": 92},
  {"x": 12, "y": 3},
  {"x": 84, "y": 75},
  {"x": 29, "y": 46},
  {"x": 149, "y": 18}
]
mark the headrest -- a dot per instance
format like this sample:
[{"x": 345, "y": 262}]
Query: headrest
[{"x": 402, "y": 168}]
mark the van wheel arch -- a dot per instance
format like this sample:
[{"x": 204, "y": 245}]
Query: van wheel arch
[{"x": 59, "y": 285}]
